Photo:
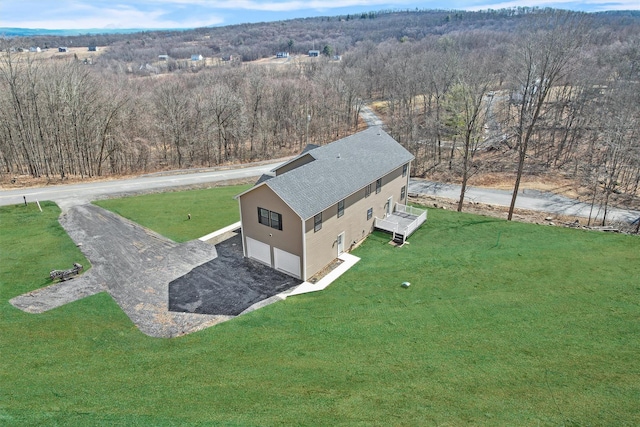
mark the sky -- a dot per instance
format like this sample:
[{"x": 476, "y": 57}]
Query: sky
[{"x": 173, "y": 14}]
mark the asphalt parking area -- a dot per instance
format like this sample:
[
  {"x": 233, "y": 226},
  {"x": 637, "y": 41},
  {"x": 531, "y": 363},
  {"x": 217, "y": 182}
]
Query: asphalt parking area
[{"x": 227, "y": 285}]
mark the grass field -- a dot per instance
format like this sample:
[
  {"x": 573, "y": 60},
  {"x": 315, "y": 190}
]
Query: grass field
[
  {"x": 503, "y": 324},
  {"x": 166, "y": 213}
]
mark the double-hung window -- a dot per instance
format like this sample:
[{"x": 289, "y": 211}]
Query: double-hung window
[
  {"x": 317, "y": 222},
  {"x": 367, "y": 190},
  {"x": 369, "y": 213},
  {"x": 276, "y": 220},
  {"x": 403, "y": 192},
  {"x": 263, "y": 216},
  {"x": 340, "y": 208},
  {"x": 270, "y": 218},
  {"x": 404, "y": 170},
  {"x": 378, "y": 185}
]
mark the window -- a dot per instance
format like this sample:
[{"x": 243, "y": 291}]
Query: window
[
  {"x": 340, "y": 208},
  {"x": 378, "y": 185},
  {"x": 404, "y": 169},
  {"x": 367, "y": 190},
  {"x": 369, "y": 213},
  {"x": 317, "y": 222},
  {"x": 270, "y": 218},
  {"x": 403, "y": 192},
  {"x": 276, "y": 221},
  {"x": 263, "y": 216}
]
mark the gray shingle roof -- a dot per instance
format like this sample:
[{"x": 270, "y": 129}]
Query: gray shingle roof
[
  {"x": 264, "y": 177},
  {"x": 339, "y": 170}
]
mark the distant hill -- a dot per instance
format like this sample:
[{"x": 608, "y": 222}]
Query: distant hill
[{"x": 32, "y": 32}]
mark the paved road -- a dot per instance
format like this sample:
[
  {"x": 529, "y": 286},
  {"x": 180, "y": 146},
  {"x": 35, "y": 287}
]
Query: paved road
[
  {"x": 71, "y": 195},
  {"x": 67, "y": 196},
  {"x": 528, "y": 199}
]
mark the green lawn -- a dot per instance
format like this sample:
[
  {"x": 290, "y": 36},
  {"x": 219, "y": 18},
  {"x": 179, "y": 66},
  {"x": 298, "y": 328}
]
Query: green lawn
[
  {"x": 167, "y": 213},
  {"x": 504, "y": 324}
]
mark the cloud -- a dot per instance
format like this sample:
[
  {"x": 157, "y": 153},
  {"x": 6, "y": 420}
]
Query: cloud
[
  {"x": 286, "y": 6},
  {"x": 99, "y": 14},
  {"x": 86, "y": 14},
  {"x": 584, "y": 5}
]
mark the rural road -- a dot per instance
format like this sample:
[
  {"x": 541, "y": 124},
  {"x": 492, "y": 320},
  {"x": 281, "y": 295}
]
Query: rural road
[
  {"x": 527, "y": 199},
  {"x": 369, "y": 116},
  {"x": 67, "y": 196}
]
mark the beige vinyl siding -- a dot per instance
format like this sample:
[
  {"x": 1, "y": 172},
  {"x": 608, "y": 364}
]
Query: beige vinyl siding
[
  {"x": 322, "y": 245},
  {"x": 288, "y": 239}
]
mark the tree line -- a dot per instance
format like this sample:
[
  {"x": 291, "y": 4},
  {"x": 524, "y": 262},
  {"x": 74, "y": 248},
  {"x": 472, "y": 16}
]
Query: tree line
[
  {"x": 62, "y": 118},
  {"x": 560, "y": 95}
]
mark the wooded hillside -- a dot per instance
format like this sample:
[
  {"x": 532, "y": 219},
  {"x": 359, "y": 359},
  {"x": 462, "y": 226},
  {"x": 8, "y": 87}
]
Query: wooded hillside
[{"x": 519, "y": 91}]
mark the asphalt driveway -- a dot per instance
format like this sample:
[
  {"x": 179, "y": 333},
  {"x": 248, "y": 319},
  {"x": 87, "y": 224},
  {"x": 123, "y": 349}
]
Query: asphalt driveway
[
  {"x": 228, "y": 285},
  {"x": 167, "y": 289}
]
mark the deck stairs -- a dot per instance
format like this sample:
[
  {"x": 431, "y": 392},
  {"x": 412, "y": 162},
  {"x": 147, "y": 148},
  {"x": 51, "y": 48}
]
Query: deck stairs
[{"x": 402, "y": 222}]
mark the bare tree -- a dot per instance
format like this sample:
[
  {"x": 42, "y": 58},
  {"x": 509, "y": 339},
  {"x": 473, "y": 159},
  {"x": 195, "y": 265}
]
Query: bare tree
[
  {"x": 471, "y": 98},
  {"x": 172, "y": 113},
  {"x": 541, "y": 60}
]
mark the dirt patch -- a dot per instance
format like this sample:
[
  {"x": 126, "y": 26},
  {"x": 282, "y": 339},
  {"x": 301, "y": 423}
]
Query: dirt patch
[{"x": 328, "y": 269}]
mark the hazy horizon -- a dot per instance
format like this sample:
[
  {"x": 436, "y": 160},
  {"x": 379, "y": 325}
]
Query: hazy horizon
[{"x": 141, "y": 15}]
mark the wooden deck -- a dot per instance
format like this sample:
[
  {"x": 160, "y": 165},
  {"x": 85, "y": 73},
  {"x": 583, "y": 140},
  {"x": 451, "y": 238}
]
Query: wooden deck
[{"x": 402, "y": 222}]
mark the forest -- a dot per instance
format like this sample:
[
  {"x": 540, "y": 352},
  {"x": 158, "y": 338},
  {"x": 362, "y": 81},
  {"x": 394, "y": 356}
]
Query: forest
[{"x": 520, "y": 92}]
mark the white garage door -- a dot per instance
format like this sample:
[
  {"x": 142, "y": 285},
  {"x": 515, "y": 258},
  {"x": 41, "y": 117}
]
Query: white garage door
[
  {"x": 258, "y": 251},
  {"x": 287, "y": 262}
]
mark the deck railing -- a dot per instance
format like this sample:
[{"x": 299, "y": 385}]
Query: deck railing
[
  {"x": 393, "y": 227},
  {"x": 386, "y": 225},
  {"x": 410, "y": 210}
]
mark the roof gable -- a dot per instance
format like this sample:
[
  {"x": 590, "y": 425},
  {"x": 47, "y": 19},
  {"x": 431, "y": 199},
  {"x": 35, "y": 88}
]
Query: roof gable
[{"x": 340, "y": 169}]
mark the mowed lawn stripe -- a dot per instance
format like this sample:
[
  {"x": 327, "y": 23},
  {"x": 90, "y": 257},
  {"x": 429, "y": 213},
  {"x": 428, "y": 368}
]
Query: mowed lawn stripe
[{"x": 503, "y": 324}]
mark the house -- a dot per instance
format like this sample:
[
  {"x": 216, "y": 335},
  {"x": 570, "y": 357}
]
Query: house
[
  {"x": 282, "y": 55},
  {"x": 318, "y": 205},
  {"x": 314, "y": 53},
  {"x": 35, "y": 49},
  {"x": 227, "y": 58},
  {"x": 163, "y": 57},
  {"x": 196, "y": 57},
  {"x": 63, "y": 49},
  {"x": 93, "y": 48}
]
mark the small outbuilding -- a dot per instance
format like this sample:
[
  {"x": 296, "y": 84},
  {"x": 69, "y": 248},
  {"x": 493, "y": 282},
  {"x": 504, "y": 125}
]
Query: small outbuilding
[{"x": 314, "y": 53}]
